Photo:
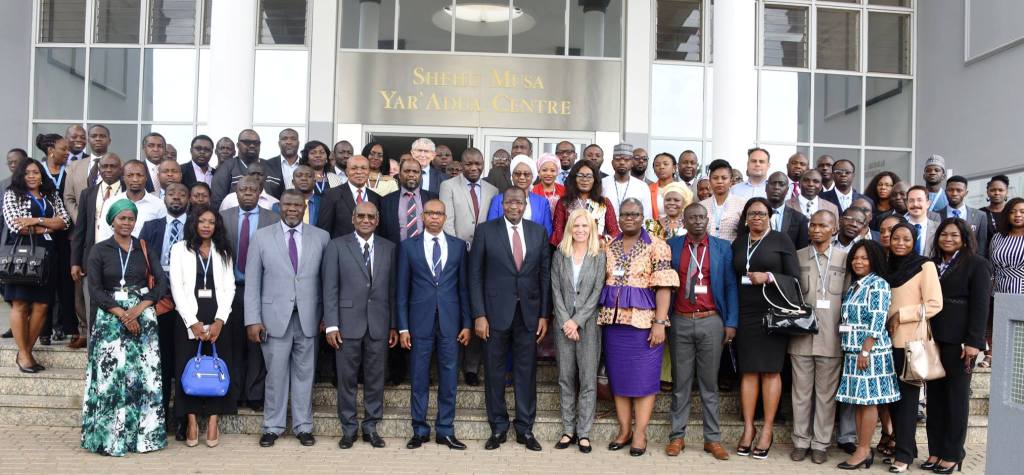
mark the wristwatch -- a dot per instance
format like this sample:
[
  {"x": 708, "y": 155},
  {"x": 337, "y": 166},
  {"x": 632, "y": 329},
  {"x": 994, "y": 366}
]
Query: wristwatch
[{"x": 865, "y": 353}]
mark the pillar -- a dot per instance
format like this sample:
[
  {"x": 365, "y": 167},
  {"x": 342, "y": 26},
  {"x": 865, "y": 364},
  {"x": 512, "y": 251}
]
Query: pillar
[
  {"x": 231, "y": 68},
  {"x": 369, "y": 24},
  {"x": 593, "y": 26},
  {"x": 733, "y": 126},
  {"x": 323, "y": 58}
]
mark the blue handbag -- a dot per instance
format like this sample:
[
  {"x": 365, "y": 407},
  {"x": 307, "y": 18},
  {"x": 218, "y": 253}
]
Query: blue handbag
[{"x": 205, "y": 376}]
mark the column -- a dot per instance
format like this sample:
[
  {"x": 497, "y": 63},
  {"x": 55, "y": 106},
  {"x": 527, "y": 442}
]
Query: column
[
  {"x": 369, "y": 24},
  {"x": 231, "y": 68},
  {"x": 733, "y": 125},
  {"x": 593, "y": 26},
  {"x": 323, "y": 58},
  {"x": 639, "y": 51}
]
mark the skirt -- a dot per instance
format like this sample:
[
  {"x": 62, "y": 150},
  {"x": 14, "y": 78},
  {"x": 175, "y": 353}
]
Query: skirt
[
  {"x": 872, "y": 386},
  {"x": 757, "y": 351},
  {"x": 634, "y": 368}
]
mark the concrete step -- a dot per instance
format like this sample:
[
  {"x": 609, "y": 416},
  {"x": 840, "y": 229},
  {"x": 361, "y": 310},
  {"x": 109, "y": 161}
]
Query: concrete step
[{"x": 471, "y": 424}]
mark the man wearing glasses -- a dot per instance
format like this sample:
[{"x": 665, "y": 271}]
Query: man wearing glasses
[
  {"x": 226, "y": 178},
  {"x": 639, "y": 170},
  {"x": 843, "y": 195},
  {"x": 566, "y": 153}
]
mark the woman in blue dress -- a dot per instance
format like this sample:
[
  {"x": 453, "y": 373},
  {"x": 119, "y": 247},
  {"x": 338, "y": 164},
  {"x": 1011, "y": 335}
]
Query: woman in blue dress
[{"x": 868, "y": 375}]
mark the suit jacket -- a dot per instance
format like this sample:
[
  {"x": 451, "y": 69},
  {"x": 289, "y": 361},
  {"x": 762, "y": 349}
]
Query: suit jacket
[
  {"x": 83, "y": 233},
  {"x": 833, "y": 197},
  {"x": 794, "y": 225},
  {"x": 929, "y": 236},
  {"x": 576, "y": 302},
  {"x": 77, "y": 177},
  {"x": 353, "y": 302},
  {"x": 965, "y": 303},
  {"x": 458, "y": 206},
  {"x": 540, "y": 210},
  {"x": 153, "y": 233},
  {"x": 497, "y": 288},
  {"x": 188, "y": 174},
  {"x": 275, "y": 177},
  {"x": 826, "y": 342},
  {"x": 421, "y": 301},
  {"x": 978, "y": 221},
  {"x": 437, "y": 176},
  {"x": 273, "y": 289},
  {"x": 822, "y": 205},
  {"x": 229, "y": 172},
  {"x": 230, "y": 217},
  {"x": 389, "y": 213},
  {"x": 336, "y": 206},
  {"x": 724, "y": 288},
  {"x": 182, "y": 279}
]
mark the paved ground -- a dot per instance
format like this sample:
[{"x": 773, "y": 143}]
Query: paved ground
[{"x": 55, "y": 450}]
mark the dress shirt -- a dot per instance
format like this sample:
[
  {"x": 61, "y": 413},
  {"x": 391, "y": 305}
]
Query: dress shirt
[
  {"x": 778, "y": 214},
  {"x": 254, "y": 221},
  {"x": 844, "y": 200},
  {"x": 154, "y": 172},
  {"x": 962, "y": 211},
  {"x": 845, "y": 247},
  {"x": 115, "y": 189},
  {"x": 748, "y": 190},
  {"x": 428, "y": 248},
  {"x": 921, "y": 243},
  {"x": 298, "y": 239},
  {"x": 75, "y": 156},
  {"x": 803, "y": 205},
  {"x": 403, "y": 218},
  {"x": 287, "y": 170},
  {"x": 150, "y": 208},
  {"x": 355, "y": 192},
  {"x": 362, "y": 242},
  {"x": 341, "y": 174},
  {"x": 166, "y": 250},
  {"x": 704, "y": 302},
  {"x": 425, "y": 181},
  {"x": 265, "y": 201},
  {"x": 522, "y": 235},
  {"x": 205, "y": 177},
  {"x": 93, "y": 160}
]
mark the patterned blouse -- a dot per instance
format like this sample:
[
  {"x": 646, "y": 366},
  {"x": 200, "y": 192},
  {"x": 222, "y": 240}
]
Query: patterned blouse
[
  {"x": 20, "y": 206},
  {"x": 660, "y": 229},
  {"x": 1007, "y": 255},
  {"x": 628, "y": 294}
]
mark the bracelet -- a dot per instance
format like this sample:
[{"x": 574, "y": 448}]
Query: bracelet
[{"x": 661, "y": 322}]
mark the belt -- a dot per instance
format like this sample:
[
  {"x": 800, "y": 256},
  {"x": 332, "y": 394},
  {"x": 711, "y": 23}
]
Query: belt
[{"x": 697, "y": 315}]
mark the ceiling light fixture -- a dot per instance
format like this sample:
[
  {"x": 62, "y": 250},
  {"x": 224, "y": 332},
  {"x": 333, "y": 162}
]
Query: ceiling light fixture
[{"x": 482, "y": 13}]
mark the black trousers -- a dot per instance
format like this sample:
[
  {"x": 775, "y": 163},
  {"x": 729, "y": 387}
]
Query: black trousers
[
  {"x": 62, "y": 313},
  {"x": 522, "y": 344},
  {"x": 165, "y": 333},
  {"x": 251, "y": 370},
  {"x": 904, "y": 413},
  {"x": 948, "y": 406}
]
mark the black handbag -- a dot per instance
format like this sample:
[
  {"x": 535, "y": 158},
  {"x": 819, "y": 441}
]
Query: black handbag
[
  {"x": 793, "y": 319},
  {"x": 24, "y": 264}
]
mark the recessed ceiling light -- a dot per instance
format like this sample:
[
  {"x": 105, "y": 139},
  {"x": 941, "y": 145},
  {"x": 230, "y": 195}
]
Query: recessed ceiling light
[{"x": 482, "y": 13}]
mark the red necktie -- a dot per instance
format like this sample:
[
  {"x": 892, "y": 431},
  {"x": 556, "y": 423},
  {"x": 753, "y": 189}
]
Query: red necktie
[
  {"x": 359, "y": 196},
  {"x": 796, "y": 190},
  {"x": 517, "y": 248},
  {"x": 476, "y": 201}
]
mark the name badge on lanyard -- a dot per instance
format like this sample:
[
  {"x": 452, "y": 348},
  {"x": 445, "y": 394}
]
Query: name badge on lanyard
[
  {"x": 618, "y": 272},
  {"x": 824, "y": 304},
  {"x": 205, "y": 293},
  {"x": 700, "y": 289},
  {"x": 121, "y": 295}
]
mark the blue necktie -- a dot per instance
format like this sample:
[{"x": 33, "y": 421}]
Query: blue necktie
[
  {"x": 436, "y": 259},
  {"x": 920, "y": 238},
  {"x": 956, "y": 213},
  {"x": 174, "y": 237}
]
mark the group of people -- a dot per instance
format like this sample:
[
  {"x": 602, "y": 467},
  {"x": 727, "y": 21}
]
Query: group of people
[{"x": 654, "y": 283}]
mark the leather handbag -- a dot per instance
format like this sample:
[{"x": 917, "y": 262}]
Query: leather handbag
[
  {"x": 922, "y": 356},
  {"x": 166, "y": 303},
  {"x": 24, "y": 263},
  {"x": 205, "y": 376},
  {"x": 793, "y": 318}
]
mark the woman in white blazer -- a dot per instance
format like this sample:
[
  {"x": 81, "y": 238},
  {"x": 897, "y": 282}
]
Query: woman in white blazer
[{"x": 203, "y": 285}]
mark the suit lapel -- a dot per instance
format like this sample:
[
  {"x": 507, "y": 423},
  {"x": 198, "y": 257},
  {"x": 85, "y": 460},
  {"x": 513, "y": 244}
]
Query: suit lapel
[
  {"x": 378, "y": 257},
  {"x": 307, "y": 245},
  {"x": 353, "y": 246},
  {"x": 506, "y": 243}
]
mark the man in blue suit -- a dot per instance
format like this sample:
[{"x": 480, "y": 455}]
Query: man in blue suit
[
  {"x": 433, "y": 311},
  {"x": 705, "y": 315}
]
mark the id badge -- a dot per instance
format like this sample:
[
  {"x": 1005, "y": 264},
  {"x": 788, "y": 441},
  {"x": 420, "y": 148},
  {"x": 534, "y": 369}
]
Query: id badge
[
  {"x": 121, "y": 295},
  {"x": 824, "y": 304},
  {"x": 700, "y": 289},
  {"x": 845, "y": 328},
  {"x": 47, "y": 236},
  {"x": 618, "y": 273},
  {"x": 746, "y": 280},
  {"x": 204, "y": 293}
]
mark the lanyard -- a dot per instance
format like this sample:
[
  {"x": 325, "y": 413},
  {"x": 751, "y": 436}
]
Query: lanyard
[
  {"x": 946, "y": 264},
  {"x": 718, "y": 212},
  {"x": 752, "y": 250},
  {"x": 823, "y": 275},
  {"x": 41, "y": 203},
  {"x": 320, "y": 185},
  {"x": 124, "y": 262},
  {"x": 700, "y": 262},
  {"x": 624, "y": 192},
  {"x": 581, "y": 203},
  {"x": 206, "y": 266},
  {"x": 60, "y": 176}
]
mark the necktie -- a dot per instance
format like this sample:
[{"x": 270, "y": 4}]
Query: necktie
[
  {"x": 305, "y": 215},
  {"x": 174, "y": 237},
  {"x": 411, "y": 228},
  {"x": 517, "y": 248},
  {"x": 366, "y": 260},
  {"x": 691, "y": 277},
  {"x": 243, "y": 243},
  {"x": 796, "y": 190},
  {"x": 359, "y": 196},
  {"x": 436, "y": 259},
  {"x": 956, "y": 213},
  {"x": 106, "y": 193},
  {"x": 476, "y": 201},
  {"x": 293, "y": 251},
  {"x": 94, "y": 171},
  {"x": 917, "y": 243},
  {"x": 808, "y": 211}
]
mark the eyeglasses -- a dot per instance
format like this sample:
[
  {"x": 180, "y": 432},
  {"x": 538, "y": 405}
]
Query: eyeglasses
[
  {"x": 841, "y": 172},
  {"x": 639, "y": 157},
  {"x": 563, "y": 152},
  {"x": 433, "y": 213},
  {"x": 249, "y": 142},
  {"x": 522, "y": 174},
  {"x": 630, "y": 215},
  {"x": 757, "y": 214},
  {"x": 366, "y": 216},
  {"x": 585, "y": 176}
]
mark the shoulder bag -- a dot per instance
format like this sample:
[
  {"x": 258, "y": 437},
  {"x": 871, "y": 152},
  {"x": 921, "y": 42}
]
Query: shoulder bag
[
  {"x": 922, "y": 356},
  {"x": 205, "y": 376},
  {"x": 24, "y": 263},
  {"x": 792, "y": 319}
]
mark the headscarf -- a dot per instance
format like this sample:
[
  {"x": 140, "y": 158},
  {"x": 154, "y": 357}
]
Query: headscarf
[
  {"x": 904, "y": 268},
  {"x": 548, "y": 157},
  {"x": 524, "y": 160},
  {"x": 678, "y": 187},
  {"x": 119, "y": 206}
]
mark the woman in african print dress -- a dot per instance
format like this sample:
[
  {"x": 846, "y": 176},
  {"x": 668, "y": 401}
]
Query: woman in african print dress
[{"x": 123, "y": 406}]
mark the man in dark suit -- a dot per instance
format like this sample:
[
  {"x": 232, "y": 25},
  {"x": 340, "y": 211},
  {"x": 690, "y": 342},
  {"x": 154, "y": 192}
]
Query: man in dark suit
[
  {"x": 400, "y": 212},
  {"x": 335, "y": 215},
  {"x": 240, "y": 224},
  {"x": 956, "y": 207},
  {"x": 228, "y": 174},
  {"x": 358, "y": 274},
  {"x": 199, "y": 168},
  {"x": 509, "y": 283},
  {"x": 285, "y": 163},
  {"x": 433, "y": 312},
  {"x": 785, "y": 219},
  {"x": 843, "y": 172}
]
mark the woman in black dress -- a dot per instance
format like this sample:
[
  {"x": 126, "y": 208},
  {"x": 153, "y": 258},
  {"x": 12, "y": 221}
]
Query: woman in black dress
[
  {"x": 61, "y": 320},
  {"x": 760, "y": 256},
  {"x": 33, "y": 209},
  {"x": 203, "y": 284}
]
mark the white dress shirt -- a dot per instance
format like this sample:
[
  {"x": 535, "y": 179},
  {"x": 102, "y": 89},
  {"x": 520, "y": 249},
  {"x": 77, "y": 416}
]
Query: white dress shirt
[
  {"x": 355, "y": 194},
  {"x": 150, "y": 207},
  {"x": 428, "y": 248},
  {"x": 804, "y": 202},
  {"x": 522, "y": 236},
  {"x": 298, "y": 240},
  {"x": 265, "y": 201},
  {"x": 425, "y": 181},
  {"x": 962, "y": 210},
  {"x": 154, "y": 173},
  {"x": 748, "y": 190},
  {"x": 287, "y": 170},
  {"x": 115, "y": 189},
  {"x": 205, "y": 177},
  {"x": 844, "y": 200}
]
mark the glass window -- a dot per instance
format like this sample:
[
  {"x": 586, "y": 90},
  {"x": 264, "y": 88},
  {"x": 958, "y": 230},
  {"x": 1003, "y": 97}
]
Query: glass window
[
  {"x": 837, "y": 109},
  {"x": 876, "y": 161},
  {"x": 204, "y": 86},
  {"x": 547, "y": 35},
  {"x": 117, "y": 21},
  {"x": 368, "y": 25},
  {"x": 679, "y": 30},
  {"x": 168, "y": 92},
  {"x": 114, "y": 84},
  {"x": 889, "y": 105},
  {"x": 62, "y": 21},
  {"x": 44, "y": 128},
  {"x": 678, "y": 100},
  {"x": 889, "y": 43},
  {"x": 890, "y": 3},
  {"x": 785, "y": 110},
  {"x": 282, "y": 22},
  {"x": 172, "y": 22},
  {"x": 851, "y": 154},
  {"x": 595, "y": 28},
  {"x": 785, "y": 36},
  {"x": 675, "y": 147},
  {"x": 838, "y": 39},
  {"x": 207, "y": 13},
  {"x": 280, "y": 87},
  {"x": 180, "y": 136},
  {"x": 483, "y": 26},
  {"x": 123, "y": 139},
  {"x": 59, "y": 87},
  {"x": 425, "y": 25}
]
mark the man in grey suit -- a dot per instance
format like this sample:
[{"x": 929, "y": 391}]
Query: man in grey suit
[
  {"x": 359, "y": 311},
  {"x": 956, "y": 207},
  {"x": 466, "y": 199},
  {"x": 241, "y": 223},
  {"x": 282, "y": 310},
  {"x": 919, "y": 217}
]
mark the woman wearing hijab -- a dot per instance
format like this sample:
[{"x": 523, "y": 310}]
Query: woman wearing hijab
[
  {"x": 916, "y": 294},
  {"x": 123, "y": 407},
  {"x": 524, "y": 171},
  {"x": 548, "y": 167}
]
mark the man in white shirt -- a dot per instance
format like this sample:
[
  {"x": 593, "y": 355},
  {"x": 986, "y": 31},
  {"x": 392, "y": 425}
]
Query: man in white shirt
[
  {"x": 795, "y": 168},
  {"x": 623, "y": 184},
  {"x": 256, "y": 175},
  {"x": 288, "y": 159},
  {"x": 758, "y": 161},
  {"x": 809, "y": 200},
  {"x": 150, "y": 207},
  {"x": 75, "y": 135},
  {"x": 342, "y": 152},
  {"x": 917, "y": 216},
  {"x": 824, "y": 166}
]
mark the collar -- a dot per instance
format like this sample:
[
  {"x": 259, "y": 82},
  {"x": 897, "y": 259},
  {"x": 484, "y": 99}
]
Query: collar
[
  {"x": 803, "y": 200},
  {"x": 286, "y": 228},
  {"x": 415, "y": 193},
  {"x": 284, "y": 161},
  {"x": 362, "y": 242},
  {"x": 781, "y": 209},
  {"x": 466, "y": 182},
  {"x": 430, "y": 237},
  {"x": 644, "y": 236},
  {"x": 831, "y": 245},
  {"x": 508, "y": 224},
  {"x": 355, "y": 190},
  {"x": 840, "y": 193},
  {"x": 241, "y": 212},
  {"x": 705, "y": 241},
  {"x": 962, "y": 209},
  {"x": 180, "y": 219},
  {"x": 198, "y": 168},
  {"x": 910, "y": 219}
]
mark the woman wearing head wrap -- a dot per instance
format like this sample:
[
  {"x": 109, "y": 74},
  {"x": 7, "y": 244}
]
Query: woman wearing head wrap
[
  {"x": 674, "y": 197},
  {"x": 524, "y": 171},
  {"x": 665, "y": 170},
  {"x": 123, "y": 407},
  {"x": 548, "y": 167}
]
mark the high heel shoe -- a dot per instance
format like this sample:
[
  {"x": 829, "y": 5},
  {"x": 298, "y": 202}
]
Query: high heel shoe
[
  {"x": 926, "y": 465},
  {"x": 940, "y": 469},
  {"x": 616, "y": 445},
  {"x": 30, "y": 370},
  {"x": 744, "y": 450},
  {"x": 866, "y": 463},
  {"x": 762, "y": 454},
  {"x": 885, "y": 447},
  {"x": 637, "y": 451},
  {"x": 191, "y": 441}
]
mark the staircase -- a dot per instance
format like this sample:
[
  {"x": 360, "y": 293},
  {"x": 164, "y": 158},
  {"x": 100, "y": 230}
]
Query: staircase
[{"x": 54, "y": 398}]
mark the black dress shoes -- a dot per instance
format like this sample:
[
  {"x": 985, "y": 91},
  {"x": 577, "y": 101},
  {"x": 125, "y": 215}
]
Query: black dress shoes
[
  {"x": 256, "y": 405},
  {"x": 417, "y": 441},
  {"x": 374, "y": 439},
  {"x": 472, "y": 379},
  {"x": 346, "y": 441},
  {"x": 495, "y": 441},
  {"x": 529, "y": 441},
  {"x": 268, "y": 439},
  {"x": 306, "y": 439},
  {"x": 8, "y": 334},
  {"x": 848, "y": 447},
  {"x": 451, "y": 442}
]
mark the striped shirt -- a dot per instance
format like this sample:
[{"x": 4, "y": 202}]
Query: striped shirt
[{"x": 1007, "y": 255}]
